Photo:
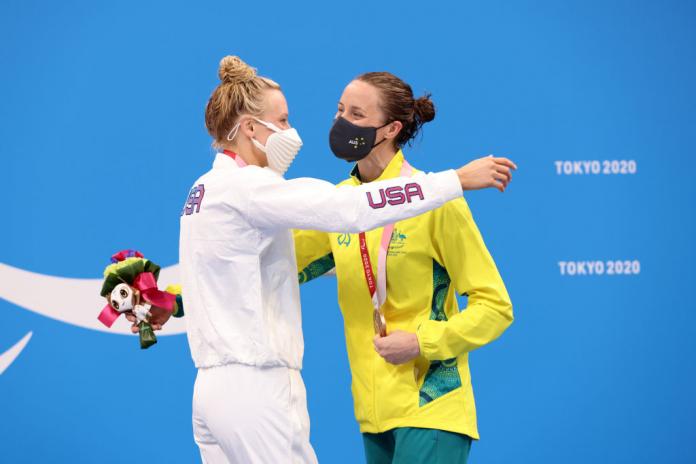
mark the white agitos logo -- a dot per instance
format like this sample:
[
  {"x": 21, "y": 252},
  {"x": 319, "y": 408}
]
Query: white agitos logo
[
  {"x": 72, "y": 301},
  {"x": 10, "y": 355}
]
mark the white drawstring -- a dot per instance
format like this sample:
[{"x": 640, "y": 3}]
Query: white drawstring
[{"x": 233, "y": 133}]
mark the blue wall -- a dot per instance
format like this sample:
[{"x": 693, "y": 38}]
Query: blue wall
[{"x": 101, "y": 102}]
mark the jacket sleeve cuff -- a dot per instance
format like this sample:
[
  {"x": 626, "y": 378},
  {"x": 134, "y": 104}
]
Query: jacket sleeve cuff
[{"x": 428, "y": 334}]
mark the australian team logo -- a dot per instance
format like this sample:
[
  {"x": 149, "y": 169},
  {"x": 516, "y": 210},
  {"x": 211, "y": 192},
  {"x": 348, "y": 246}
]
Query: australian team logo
[{"x": 397, "y": 243}]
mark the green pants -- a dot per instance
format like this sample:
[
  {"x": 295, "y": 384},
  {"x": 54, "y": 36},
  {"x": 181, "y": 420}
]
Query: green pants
[{"x": 410, "y": 445}]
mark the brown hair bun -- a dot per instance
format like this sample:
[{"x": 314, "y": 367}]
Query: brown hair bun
[{"x": 424, "y": 109}]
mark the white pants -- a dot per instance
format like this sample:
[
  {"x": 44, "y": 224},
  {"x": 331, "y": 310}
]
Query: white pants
[{"x": 246, "y": 414}]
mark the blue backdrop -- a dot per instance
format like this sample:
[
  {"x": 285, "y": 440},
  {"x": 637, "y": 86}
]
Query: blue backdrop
[{"x": 595, "y": 101}]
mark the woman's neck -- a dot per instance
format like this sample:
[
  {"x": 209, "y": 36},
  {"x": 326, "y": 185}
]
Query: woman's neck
[
  {"x": 374, "y": 164},
  {"x": 244, "y": 149}
]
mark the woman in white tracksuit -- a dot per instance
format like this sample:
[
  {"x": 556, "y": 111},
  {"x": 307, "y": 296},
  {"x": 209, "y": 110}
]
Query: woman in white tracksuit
[{"x": 239, "y": 272}]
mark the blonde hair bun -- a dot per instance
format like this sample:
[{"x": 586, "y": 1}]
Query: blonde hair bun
[
  {"x": 240, "y": 92},
  {"x": 235, "y": 71}
]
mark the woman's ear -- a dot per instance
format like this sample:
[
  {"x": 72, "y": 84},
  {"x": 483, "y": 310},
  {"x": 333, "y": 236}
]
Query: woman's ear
[
  {"x": 393, "y": 129},
  {"x": 247, "y": 127}
]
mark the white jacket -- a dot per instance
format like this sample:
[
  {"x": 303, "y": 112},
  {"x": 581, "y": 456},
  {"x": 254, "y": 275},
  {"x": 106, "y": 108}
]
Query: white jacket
[{"x": 237, "y": 258}]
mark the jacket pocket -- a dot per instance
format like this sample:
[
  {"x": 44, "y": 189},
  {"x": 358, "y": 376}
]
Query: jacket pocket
[{"x": 441, "y": 378}]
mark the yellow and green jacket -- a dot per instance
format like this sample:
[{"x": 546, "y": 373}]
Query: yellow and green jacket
[{"x": 430, "y": 257}]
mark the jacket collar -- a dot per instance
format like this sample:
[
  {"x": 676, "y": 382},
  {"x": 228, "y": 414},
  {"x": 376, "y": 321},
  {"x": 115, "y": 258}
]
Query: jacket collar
[
  {"x": 392, "y": 170},
  {"x": 224, "y": 161}
]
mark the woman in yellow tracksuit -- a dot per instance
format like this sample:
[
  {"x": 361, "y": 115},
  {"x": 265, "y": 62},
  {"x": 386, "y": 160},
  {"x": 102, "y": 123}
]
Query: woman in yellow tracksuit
[{"x": 412, "y": 389}]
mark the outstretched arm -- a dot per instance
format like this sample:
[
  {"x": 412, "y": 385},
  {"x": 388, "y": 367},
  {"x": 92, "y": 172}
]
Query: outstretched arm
[{"x": 306, "y": 203}]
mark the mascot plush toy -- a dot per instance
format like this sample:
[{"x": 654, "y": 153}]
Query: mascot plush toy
[{"x": 130, "y": 286}]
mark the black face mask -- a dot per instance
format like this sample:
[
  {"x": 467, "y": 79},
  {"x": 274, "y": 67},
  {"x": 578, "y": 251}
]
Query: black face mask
[{"x": 350, "y": 142}]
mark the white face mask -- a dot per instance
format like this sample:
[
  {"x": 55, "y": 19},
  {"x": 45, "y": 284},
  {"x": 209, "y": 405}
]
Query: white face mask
[{"x": 281, "y": 147}]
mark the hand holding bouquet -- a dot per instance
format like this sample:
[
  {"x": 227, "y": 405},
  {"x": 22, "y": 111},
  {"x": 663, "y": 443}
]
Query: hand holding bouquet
[{"x": 130, "y": 287}]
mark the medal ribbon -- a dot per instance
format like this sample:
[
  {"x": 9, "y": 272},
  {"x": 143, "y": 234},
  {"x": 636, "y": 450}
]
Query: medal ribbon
[
  {"x": 378, "y": 289},
  {"x": 240, "y": 162}
]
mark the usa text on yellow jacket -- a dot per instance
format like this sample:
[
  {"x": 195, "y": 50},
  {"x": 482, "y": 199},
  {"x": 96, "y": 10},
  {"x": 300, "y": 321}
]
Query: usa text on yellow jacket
[{"x": 430, "y": 257}]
